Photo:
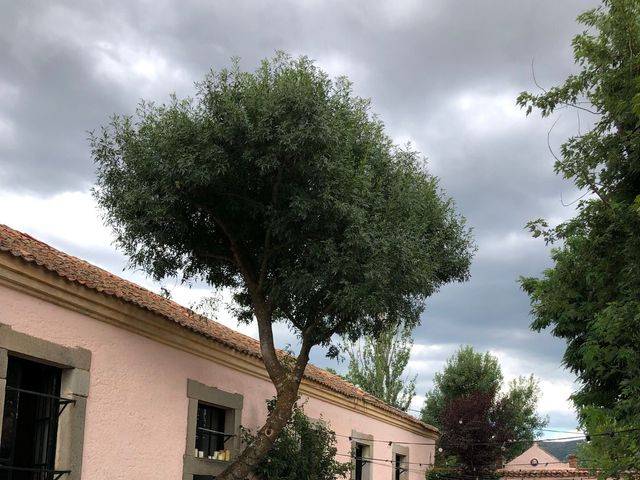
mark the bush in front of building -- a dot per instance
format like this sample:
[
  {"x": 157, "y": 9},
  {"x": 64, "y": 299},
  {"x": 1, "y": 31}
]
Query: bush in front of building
[{"x": 306, "y": 448}]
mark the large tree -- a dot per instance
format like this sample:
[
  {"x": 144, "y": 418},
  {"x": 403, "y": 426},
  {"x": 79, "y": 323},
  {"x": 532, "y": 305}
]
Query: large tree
[
  {"x": 377, "y": 365},
  {"x": 282, "y": 186},
  {"x": 591, "y": 295},
  {"x": 465, "y": 372},
  {"x": 481, "y": 420}
]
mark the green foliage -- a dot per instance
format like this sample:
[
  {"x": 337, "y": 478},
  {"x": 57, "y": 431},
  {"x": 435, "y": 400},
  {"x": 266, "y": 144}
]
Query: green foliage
[
  {"x": 479, "y": 421},
  {"x": 465, "y": 372},
  {"x": 305, "y": 449},
  {"x": 614, "y": 455},
  {"x": 376, "y": 365},
  {"x": 281, "y": 185},
  {"x": 591, "y": 295}
]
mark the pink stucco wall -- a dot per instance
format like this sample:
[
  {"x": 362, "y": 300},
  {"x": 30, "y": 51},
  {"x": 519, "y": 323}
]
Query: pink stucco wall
[
  {"x": 543, "y": 460},
  {"x": 136, "y": 419}
]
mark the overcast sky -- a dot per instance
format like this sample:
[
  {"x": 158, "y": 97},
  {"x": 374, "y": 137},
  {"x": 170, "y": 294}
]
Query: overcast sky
[{"x": 442, "y": 74}]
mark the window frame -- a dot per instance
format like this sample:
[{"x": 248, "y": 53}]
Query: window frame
[
  {"x": 232, "y": 404},
  {"x": 366, "y": 440},
  {"x": 75, "y": 364},
  {"x": 403, "y": 451}
]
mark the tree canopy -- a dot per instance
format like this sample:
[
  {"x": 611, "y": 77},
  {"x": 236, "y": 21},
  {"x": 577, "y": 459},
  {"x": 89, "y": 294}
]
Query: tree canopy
[
  {"x": 377, "y": 365},
  {"x": 480, "y": 422},
  {"x": 282, "y": 186},
  {"x": 591, "y": 295},
  {"x": 464, "y": 373}
]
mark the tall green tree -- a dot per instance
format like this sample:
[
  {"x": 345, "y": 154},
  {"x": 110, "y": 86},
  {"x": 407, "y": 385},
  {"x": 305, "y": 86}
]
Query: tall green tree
[
  {"x": 282, "y": 186},
  {"x": 479, "y": 418},
  {"x": 591, "y": 295},
  {"x": 377, "y": 365},
  {"x": 465, "y": 372}
]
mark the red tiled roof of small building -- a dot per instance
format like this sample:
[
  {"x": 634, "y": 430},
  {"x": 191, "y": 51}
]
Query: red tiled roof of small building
[
  {"x": 559, "y": 473},
  {"x": 82, "y": 272}
]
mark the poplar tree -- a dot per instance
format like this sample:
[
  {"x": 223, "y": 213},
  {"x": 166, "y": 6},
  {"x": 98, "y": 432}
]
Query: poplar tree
[{"x": 377, "y": 365}]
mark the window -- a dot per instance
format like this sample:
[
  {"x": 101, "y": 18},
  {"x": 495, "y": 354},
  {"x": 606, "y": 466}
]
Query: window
[
  {"x": 43, "y": 395},
  {"x": 213, "y": 426},
  {"x": 400, "y": 466},
  {"x": 210, "y": 434},
  {"x": 400, "y": 459},
  {"x": 30, "y": 419},
  {"x": 362, "y": 448}
]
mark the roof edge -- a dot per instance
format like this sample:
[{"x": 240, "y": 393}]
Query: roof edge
[{"x": 36, "y": 276}]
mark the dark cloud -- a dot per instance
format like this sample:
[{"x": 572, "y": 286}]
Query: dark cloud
[
  {"x": 443, "y": 74},
  {"x": 65, "y": 60}
]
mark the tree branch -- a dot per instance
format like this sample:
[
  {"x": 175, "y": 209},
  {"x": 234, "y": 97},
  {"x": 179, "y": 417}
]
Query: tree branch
[
  {"x": 545, "y": 91},
  {"x": 303, "y": 355},
  {"x": 266, "y": 254},
  {"x": 245, "y": 270},
  {"x": 222, "y": 258},
  {"x": 274, "y": 366},
  {"x": 261, "y": 308}
]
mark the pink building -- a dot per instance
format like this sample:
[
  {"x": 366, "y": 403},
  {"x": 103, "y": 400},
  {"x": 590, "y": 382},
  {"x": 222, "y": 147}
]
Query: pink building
[
  {"x": 102, "y": 379},
  {"x": 540, "y": 464}
]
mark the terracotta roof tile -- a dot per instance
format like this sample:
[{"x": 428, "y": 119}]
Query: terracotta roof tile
[
  {"x": 559, "y": 473},
  {"x": 81, "y": 272}
]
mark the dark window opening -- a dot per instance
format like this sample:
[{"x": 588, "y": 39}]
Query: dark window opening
[
  {"x": 399, "y": 466},
  {"x": 30, "y": 421},
  {"x": 210, "y": 435},
  {"x": 359, "y": 461}
]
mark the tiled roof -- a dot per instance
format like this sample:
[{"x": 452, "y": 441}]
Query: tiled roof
[
  {"x": 94, "y": 278},
  {"x": 558, "y": 473}
]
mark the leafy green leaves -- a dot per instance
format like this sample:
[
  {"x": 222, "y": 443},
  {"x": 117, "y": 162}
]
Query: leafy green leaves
[
  {"x": 306, "y": 449},
  {"x": 591, "y": 295},
  {"x": 377, "y": 365},
  {"x": 476, "y": 417},
  {"x": 283, "y": 186}
]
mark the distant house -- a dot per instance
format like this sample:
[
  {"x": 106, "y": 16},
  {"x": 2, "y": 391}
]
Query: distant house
[
  {"x": 536, "y": 462},
  {"x": 101, "y": 379}
]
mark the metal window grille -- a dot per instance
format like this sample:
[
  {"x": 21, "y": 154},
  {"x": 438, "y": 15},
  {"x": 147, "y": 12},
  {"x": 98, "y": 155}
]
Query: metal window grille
[
  {"x": 30, "y": 421},
  {"x": 210, "y": 434},
  {"x": 399, "y": 468}
]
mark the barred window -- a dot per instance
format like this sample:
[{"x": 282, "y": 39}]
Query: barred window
[
  {"x": 210, "y": 435},
  {"x": 32, "y": 406}
]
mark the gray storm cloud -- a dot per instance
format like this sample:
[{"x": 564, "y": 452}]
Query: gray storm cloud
[{"x": 443, "y": 74}]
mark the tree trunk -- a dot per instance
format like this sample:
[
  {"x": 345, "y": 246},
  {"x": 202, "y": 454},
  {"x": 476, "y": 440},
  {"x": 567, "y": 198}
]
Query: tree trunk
[
  {"x": 242, "y": 467},
  {"x": 286, "y": 383}
]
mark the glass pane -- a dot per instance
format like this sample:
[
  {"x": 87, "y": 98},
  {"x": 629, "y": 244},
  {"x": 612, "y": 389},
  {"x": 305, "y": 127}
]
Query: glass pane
[{"x": 210, "y": 430}]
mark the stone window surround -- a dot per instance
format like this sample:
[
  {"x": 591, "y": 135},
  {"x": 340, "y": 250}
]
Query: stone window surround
[
  {"x": 75, "y": 364},
  {"x": 400, "y": 450},
  {"x": 232, "y": 403},
  {"x": 362, "y": 439}
]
